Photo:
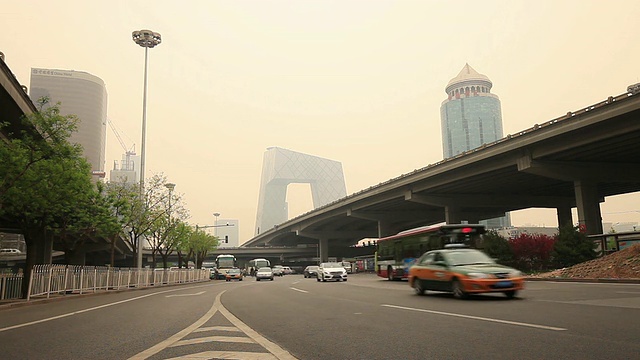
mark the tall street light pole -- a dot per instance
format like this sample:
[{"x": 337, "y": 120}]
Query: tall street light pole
[
  {"x": 147, "y": 39},
  {"x": 215, "y": 232}
]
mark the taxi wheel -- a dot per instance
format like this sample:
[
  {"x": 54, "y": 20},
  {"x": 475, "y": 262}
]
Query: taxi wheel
[
  {"x": 511, "y": 293},
  {"x": 457, "y": 290},
  {"x": 417, "y": 287}
]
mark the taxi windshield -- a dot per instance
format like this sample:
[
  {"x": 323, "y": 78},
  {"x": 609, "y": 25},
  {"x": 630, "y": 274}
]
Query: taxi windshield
[{"x": 467, "y": 257}]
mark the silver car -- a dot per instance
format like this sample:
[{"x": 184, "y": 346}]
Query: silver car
[
  {"x": 331, "y": 271},
  {"x": 264, "y": 273}
]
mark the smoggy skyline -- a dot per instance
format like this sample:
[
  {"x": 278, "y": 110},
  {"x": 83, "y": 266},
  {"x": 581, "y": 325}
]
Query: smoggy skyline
[{"x": 352, "y": 81}]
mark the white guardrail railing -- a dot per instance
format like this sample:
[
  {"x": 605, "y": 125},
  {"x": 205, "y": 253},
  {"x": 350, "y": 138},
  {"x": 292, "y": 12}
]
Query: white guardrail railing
[{"x": 47, "y": 280}]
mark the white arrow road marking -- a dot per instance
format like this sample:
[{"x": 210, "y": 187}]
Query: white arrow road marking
[
  {"x": 235, "y": 355},
  {"x": 178, "y": 295}
]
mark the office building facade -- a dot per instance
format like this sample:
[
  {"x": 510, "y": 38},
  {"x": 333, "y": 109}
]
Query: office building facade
[
  {"x": 471, "y": 116},
  {"x": 281, "y": 167},
  {"x": 80, "y": 94}
]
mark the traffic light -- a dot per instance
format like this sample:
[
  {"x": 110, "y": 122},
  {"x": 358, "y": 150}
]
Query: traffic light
[{"x": 226, "y": 239}]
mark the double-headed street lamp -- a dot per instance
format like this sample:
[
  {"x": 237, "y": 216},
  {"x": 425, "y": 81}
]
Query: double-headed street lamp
[{"x": 147, "y": 39}]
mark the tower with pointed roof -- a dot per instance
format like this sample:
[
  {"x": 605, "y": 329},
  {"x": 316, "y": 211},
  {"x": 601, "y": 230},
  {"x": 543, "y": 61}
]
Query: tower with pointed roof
[{"x": 471, "y": 116}]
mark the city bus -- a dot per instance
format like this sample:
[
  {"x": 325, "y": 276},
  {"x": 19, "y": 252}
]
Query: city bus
[
  {"x": 396, "y": 253},
  {"x": 255, "y": 264},
  {"x": 224, "y": 262}
]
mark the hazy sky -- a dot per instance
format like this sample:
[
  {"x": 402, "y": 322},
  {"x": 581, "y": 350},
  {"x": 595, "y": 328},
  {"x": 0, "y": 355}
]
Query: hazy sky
[{"x": 360, "y": 82}]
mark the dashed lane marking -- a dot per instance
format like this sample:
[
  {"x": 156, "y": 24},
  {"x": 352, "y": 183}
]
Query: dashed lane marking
[
  {"x": 478, "y": 318},
  {"x": 300, "y": 290},
  {"x": 179, "y": 295}
]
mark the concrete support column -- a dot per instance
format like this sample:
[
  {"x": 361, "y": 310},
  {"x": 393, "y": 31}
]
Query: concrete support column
[
  {"x": 324, "y": 249},
  {"x": 384, "y": 229},
  {"x": 452, "y": 214},
  {"x": 44, "y": 250},
  {"x": 588, "y": 204},
  {"x": 565, "y": 218},
  {"x": 77, "y": 257}
]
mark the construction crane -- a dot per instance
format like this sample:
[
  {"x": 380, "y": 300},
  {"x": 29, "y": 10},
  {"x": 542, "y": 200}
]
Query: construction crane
[{"x": 128, "y": 164}]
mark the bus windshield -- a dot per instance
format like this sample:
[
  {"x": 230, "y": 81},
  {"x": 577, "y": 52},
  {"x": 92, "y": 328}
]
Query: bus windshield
[{"x": 225, "y": 261}]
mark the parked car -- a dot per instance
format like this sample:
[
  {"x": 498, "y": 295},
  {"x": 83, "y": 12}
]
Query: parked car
[
  {"x": 331, "y": 271},
  {"x": 234, "y": 274},
  {"x": 264, "y": 273},
  {"x": 278, "y": 270},
  {"x": 462, "y": 272},
  {"x": 10, "y": 252},
  {"x": 311, "y": 271}
]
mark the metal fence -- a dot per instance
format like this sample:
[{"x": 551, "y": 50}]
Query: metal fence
[
  {"x": 10, "y": 286},
  {"x": 47, "y": 280}
]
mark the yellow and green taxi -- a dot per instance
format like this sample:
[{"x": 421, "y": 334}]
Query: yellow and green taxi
[
  {"x": 463, "y": 271},
  {"x": 234, "y": 274}
]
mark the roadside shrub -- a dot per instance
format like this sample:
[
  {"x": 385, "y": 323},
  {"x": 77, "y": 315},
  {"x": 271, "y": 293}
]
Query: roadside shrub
[
  {"x": 532, "y": 252},
  {"x": 497, "y": 247},
  {"x": 572, "y": 247}
]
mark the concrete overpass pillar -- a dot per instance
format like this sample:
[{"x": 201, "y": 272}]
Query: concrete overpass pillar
[
  {"x": 76, "y": 257},
  {"x": 588, "y": 203},
  {"x": 565, "y": 218},
  {"x": 384, "y": 228},
  {"x": 452, "y": 214},
  {"x": 324, "y": 249}
]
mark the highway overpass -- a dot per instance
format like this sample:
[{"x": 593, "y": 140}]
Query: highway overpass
[{"x": 575, "y": 160}]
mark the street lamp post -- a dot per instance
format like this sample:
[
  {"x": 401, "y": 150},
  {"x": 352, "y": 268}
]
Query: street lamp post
[
  {"x": 215, "y": 230},
  {"x": 147, "y": 39}
]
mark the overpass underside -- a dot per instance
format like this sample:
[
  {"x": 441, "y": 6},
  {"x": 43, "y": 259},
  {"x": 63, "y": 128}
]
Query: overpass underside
[{"x": 574, "y": 161}]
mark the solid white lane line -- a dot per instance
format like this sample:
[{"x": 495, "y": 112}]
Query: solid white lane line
[
  {"x": 176, "y": 337},
  {"x": 206, "y": 339},
  {"x": 478, "y": 318},
  {"x": 178, "y": 295},
  {"x": 89, "y": 309},
  {"x": 273, "y": 348},
  {"x": 300, "y": 290},
  {"x": 219, "y": 328},
  {"x": 226, "y": 355}
]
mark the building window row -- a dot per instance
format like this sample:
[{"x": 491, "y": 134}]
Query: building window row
[{"x": 468, "y": 90}]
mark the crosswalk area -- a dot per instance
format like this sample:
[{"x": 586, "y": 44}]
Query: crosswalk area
[{"x": 217, "y": 338}]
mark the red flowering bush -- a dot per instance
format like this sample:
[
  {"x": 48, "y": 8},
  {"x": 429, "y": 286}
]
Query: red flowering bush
[{"x": 532, "y": 251}]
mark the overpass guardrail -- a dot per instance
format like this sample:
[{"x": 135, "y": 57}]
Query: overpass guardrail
[{"x": 47, "y": 280}]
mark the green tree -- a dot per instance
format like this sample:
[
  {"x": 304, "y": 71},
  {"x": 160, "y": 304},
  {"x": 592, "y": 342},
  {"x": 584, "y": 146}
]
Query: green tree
[
  {"x": 572, "y": 247},
  {"x": 497, "y": 247},
  {"x": 43, "y": 177}
]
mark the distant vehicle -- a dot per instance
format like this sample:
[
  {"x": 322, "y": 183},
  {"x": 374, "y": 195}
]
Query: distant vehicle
[
  {"x": 311, "y": 271},
  {"x": 331, "y": 271},
  {"x": 10, "y": 252},
  {"x": 225, "y": 262},
  {"x": 462, "y": 272},
  {"x": 253, "y": 265},
  {"x": 287, "y": 270},
  {"x": 278, "y": 270},
  {"x": 264, "y": 273},
  {"x": 234, "y": 274},
  {"x": 634, "y": 89},
  {"x": 396, "y": 253},
  {"x": 347, "y": 266}
]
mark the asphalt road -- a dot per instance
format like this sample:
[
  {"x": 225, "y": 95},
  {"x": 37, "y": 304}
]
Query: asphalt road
[{"x": 293, "y": 317}]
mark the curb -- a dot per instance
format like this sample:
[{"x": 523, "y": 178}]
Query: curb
[{"x": 587, "y": 280}]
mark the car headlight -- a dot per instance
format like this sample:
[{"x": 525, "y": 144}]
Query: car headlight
[{"x": 478, "y": 275}]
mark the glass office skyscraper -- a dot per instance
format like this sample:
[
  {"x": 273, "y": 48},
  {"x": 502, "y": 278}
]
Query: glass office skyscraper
[{"x": 471, "y": 116}]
